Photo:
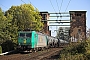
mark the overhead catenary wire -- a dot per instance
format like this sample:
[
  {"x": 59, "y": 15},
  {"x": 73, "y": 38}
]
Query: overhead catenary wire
[
  {"x": 23, "y": 1},
  {"x": 54, "y": 9},
  {"x": 60, "y": 6},
  {"x": 57, "y": 4},
  {"x": 52, "y": 6},
  {"x": 31, "y": 3},
  {"x": 59, "y": 10},
  {"x": 67, "y": 5},
  {"x": 3, "y": 6}
]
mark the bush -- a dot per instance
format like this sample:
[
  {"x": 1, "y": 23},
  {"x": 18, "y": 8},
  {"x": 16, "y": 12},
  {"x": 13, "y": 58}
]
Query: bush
[
  {"x": 8, "y": 46},
  {"x": 76, "y": 51},
  {"x": 87, "y": 54},
  {"x": 80, "y": 48},
  {"x": 0, "y": 49},
  {"x": 73, "y": 57}
]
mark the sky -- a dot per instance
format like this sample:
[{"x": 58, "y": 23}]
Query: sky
[{"x": 46, "y": 5}]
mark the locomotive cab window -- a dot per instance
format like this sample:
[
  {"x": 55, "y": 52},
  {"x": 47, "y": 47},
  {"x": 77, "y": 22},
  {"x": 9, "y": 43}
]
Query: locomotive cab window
[
  {"x": 22, "y": 35},
  {"x": 28, "y": 34}
]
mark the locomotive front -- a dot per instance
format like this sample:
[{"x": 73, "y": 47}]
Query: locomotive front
[{"x": 24, "y": 40}]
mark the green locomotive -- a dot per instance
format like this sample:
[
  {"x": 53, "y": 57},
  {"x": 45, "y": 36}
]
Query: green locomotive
[{"x": 28, "y": 40}]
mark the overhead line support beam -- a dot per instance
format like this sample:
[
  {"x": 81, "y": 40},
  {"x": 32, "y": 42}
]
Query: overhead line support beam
[
  {"x": 60, "y": 13},
  {"x": 59, "y": 25},
  {"x": 61, "y": 16},
  {"x": 55, "y": 20}
]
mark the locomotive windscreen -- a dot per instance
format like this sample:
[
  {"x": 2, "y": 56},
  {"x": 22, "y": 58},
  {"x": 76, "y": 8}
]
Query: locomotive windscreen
[
  {"x": 22, "y": 34},
  {"x": 25, "y": 35},
  {"x": 28, "y": 34}
]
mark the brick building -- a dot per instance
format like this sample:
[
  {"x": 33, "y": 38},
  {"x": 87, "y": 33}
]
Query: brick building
[
  {"x": 77, "y": 25},
  {"x": 45, "y": 16}
]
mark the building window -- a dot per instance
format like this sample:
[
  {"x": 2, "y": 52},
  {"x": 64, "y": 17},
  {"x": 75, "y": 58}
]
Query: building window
[
  {"x": 44, "y": 16},
  {"x": 73, "y": 17},
  {"x": 77, "y": 14}
]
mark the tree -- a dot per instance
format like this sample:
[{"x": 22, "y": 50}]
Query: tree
[
  {"x": 60, "y": 34},
  {"x": 3, "y": 25},
  {"x": 22, "y": 17},
  {"x": 63, "y": 33},
  {"x": 25, "y": 16}
]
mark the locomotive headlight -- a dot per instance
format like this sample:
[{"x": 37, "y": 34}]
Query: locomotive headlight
[{"x": 24, "y": 41}]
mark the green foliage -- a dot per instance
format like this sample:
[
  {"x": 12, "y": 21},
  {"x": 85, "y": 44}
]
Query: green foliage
[
  {"x": 3, "y": 25},
  {"x": 0, "y": 49},
  {"x": 73, "y": 57},
  {"x": 87, "y": 54},
  {"x": 80, "y": 48},
  {"x": 24, "y": 17},
  {"x": 76, "y": 51}
]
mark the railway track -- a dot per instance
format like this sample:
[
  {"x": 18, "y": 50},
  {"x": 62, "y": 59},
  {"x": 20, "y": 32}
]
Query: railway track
[
  {"x": 45, "y": 55},
  {"x": 40, "y": 55}
]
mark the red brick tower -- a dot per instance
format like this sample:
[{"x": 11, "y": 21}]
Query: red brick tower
[{"x": 77, "y": 25}]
